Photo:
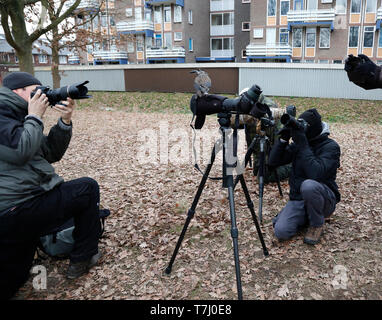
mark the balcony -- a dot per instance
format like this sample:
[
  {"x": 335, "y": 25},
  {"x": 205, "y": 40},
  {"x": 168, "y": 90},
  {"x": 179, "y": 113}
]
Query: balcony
[
  {"x": 110, "y": 56},
  {"x": 136, "y": 27},
  {"x": 222, "y": 30},
  {"x": 160, "y": 2},
  {"x": 222, "y": 5},
  {"x": 73, "y": 59},
  {"x": 224, "y": 53},
  {"x": 269, "y": 50},
  {"x": 175, "y": 52},
  {"x": 319, "y": 17},
  {"x": 85, "y": 5}
]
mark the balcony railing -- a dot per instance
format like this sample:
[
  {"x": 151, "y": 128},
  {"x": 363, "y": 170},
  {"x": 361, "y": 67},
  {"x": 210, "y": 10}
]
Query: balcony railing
[
  {"x": 86, "y": 5},
  {"x": 222, "y": 53},
  {"x": 160, "y": 2},
  {"x": 224, "y": 30},
  {"x": 73, "y": 59},
  {"x": 277, "y": 49},
  {"x": 109, "y": 55},
  {"x": 311, "y": 15},
  {"x": 222, "y": 5},
  {"x": 175, "y": 52},
  {"x": 134, "y": 26},
  {"x": 379, "y": 13}
]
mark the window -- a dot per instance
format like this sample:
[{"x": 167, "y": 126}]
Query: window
[
  {"x": 355, "y": 6},
  {"x": 298, "y": 5},
  {"x": 337, "y": 61},
  {"x": 178, "y": 36},
  {"x": 309, "y": 61},
  {"x": 157, "y": 15},
  {"x": 222, "y": 44},
  {"x": 371, "y": 5},
  {"x": 310, "y": 37},
  {"x": 177, "y": 14},
  {"x": 158, "y": 40},
  {"x": 222, "y": 19},
  {"x": 246, "y": 1},
  {"x": 258, "y": 32},
  {"x": 311, "y": 4},
  {"x": 190, "y": 16},
  {"x": 380, "y": 39},
  {"x": 42, "y": 58},
  {"x": 245, "y": 26},
  {"x": 297, "y": 38},
  {"x": 140, "y": 43},
  {"x": 62, "y": 60},
  {"x": 324, "y": 38},
  {"x": 368, "y": 37},
  {"x": 190, "y": 44},
  {"x": 129, "y": 12},
  {"x": 271, "y": 8},
  {"x": 138, "y": 14},
  {"x": 148, "y": 14},
  {"x": 168, "y": 39},
  {"x": 284, "y": 7},
  {"x": 296, "y": 61},
  {"x": 323, "y": 61},
  {"x": 341, "y": 6},
  {"x": 167, "y": 14},
  {"x": 130, "y": 47},
  {"x": 284, "y": 36},
  {"x": 353, "y": 37}
]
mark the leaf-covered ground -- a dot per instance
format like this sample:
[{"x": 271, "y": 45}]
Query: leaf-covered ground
[{"x": 149, "y": 203}]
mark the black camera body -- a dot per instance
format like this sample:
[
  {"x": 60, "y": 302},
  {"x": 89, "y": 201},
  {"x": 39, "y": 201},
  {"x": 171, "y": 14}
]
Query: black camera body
[
  {"x": 290, "y": 122},
  {"x": 247, "y": 103},
  {"x": 75, "y": 91}
]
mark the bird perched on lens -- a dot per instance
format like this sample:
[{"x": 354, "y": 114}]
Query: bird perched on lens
[{"x": 202, "y": 82}]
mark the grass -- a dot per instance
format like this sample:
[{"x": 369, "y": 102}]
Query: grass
[{"x": 332, "y": 110}]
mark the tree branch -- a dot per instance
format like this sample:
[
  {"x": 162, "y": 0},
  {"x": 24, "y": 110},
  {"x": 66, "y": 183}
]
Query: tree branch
[{"x": 39, "y": 32}]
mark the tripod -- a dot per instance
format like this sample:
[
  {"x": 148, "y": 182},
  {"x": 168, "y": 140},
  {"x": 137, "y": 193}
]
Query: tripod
[
  {"x": 224, "y": 121},
  {"x": 264, "y": 145}
]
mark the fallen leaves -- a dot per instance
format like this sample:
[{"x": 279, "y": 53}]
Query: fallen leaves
[{"x": 149, "y": 204}]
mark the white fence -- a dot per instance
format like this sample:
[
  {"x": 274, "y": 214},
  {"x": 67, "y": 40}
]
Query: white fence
[{"x": 276, "y": 79}]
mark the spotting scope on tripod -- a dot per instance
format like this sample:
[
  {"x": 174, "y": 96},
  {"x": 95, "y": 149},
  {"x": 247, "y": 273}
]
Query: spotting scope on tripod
[{"x": 202, "y": 104}]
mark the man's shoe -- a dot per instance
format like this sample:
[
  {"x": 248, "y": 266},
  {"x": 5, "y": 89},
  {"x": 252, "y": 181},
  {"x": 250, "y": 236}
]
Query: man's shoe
[
  {"x": 313, "y": 235},
  {"x": 77, "y": 269}
]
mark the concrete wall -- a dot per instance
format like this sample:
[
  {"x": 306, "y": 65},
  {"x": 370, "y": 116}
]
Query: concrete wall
[{"x": 276, "y": 79}]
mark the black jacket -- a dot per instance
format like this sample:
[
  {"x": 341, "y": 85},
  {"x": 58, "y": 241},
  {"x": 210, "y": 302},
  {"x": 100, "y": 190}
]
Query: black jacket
[{"x": 317, "y": 159}]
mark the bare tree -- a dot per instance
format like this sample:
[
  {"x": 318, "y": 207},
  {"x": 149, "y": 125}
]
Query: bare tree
[{"x": 14, "y": 21}]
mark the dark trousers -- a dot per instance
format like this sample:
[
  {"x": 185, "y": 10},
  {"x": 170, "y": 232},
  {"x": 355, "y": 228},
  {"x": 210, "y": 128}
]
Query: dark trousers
[
  {"x": 21, "y": 228},
  {"x": 318, "y": 203}
]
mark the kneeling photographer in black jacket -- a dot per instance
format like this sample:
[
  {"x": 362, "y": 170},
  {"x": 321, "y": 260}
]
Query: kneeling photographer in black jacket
[{"x": 313, "y": 191}]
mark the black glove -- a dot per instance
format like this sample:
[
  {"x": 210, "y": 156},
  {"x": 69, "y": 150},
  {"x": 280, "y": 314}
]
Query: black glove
[
  {"x": 363, "y": 72},
  {"x": 284, "y": 133},
  {"x": 298, "y": 135}
]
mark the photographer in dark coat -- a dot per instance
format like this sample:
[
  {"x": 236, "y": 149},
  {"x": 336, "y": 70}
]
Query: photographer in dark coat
[
  {"x": 313, "y": 191},
  {"x": 363, "y": 72},
  {"x": 33, "y": 198}
]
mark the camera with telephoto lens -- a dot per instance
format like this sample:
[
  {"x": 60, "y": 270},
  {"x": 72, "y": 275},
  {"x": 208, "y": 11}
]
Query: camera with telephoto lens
[
  {"x": 290, "y": 122},
  {"x": 75, "y": 91},
  {"x": 246, "y": 103}
]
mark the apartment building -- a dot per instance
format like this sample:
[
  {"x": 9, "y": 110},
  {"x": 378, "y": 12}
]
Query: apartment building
[
  {"x": 166, "y": 31},
  {"x": 315, "y": 31}
]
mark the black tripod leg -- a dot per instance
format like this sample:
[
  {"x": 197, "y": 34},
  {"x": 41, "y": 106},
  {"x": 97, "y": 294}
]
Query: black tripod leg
[
  {"x": 191, "y": 211},
  {"x": 278, "y": 182},
  {"x": 234, "y": 234},
  {"x": 261, "y": 178},
  {"x": 247, "y": 159},
  {"x": 251, "y": 208}
]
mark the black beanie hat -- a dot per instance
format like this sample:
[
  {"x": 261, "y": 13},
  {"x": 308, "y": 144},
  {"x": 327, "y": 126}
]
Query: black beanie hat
[
  {"x": 18, "y": 80},
  {"x": 312, "y": 117}
]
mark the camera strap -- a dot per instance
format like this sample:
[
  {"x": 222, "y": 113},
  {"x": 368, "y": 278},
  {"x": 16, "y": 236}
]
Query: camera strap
[{"x": 196, "y": 166}]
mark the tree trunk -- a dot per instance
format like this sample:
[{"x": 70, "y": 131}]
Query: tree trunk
[
  {"x": 26, "y": 59},
  {"x": 55, "y": 60}
]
